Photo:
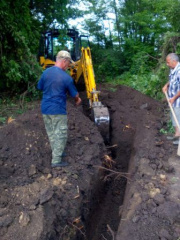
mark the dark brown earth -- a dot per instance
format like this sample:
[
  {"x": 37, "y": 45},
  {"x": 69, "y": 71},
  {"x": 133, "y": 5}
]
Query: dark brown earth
[{"x": 93, "y": 198}]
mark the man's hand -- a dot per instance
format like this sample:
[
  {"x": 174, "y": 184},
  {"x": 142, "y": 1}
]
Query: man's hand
[
  {"x": 165, "y": 88},
  {"x": 78, "y": 101},
  {"x": 171, "y": 100}
]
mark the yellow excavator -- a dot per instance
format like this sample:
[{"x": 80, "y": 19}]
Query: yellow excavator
[{"x": 81, "y": 71}]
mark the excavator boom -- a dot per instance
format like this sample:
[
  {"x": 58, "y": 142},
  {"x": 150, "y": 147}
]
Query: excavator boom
[{"x": 99, "y": 112}]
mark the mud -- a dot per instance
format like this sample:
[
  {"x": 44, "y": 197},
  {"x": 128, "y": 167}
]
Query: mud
[{"x": 127, "y": 189}]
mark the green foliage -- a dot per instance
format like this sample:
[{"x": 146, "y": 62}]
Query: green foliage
[
  {"x": 33, "y": 93},
  {"x": 168, "y": 129},
  {"x": 18, "y": 76},
  {"x": 107, "y": 63},
  {"x": 49, "y": 12},
  {"x": 132, "y": 52},
  {"x": 21, "y": 23},
  {"x": 145, "y": 31},
  {"x": 142, "y": 77},
  {"x": 148, "y": 84},
  {"x": 112, "y": 89},
  {"x": 19, "y": 39},
  {"x": 171, "y": 43},
  {"x": 143, "y": 21},
  {"x": 2, "y": 120},
  {"x": 172, "y": 14}
]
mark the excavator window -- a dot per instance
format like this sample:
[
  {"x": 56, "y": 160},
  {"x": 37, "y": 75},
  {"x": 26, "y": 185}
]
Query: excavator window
[
  {"x": 55, "y": 40},
  {"x": 84, "y": 40}
]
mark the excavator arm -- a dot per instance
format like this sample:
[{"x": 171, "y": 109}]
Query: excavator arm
[
  {"x": 84, "y": 67},
  {"x": 99, "y": 112}
]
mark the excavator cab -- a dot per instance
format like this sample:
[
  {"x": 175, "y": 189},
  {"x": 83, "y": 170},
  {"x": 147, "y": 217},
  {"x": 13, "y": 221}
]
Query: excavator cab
[
  {"x": 82, "y": 71},
  {"x": 54, "y": 40},
  {"x": 75, "y": 50},
  {"x": 79, "y": 41},
  {"x": 46, "y": 50}
]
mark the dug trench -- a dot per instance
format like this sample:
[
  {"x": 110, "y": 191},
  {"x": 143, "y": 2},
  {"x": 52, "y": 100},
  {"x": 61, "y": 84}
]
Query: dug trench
[
  {"x": 126, "y": 190},
  {"x": 107, "y": 196}
]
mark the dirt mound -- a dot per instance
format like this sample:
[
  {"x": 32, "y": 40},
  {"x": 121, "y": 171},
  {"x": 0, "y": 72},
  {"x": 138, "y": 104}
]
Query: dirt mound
[
  {"x": 153, "y": 166},
  {"x": 84, "y": 201}
]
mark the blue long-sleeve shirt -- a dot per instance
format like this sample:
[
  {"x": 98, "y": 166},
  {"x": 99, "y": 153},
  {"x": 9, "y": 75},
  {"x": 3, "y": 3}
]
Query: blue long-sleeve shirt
[{"x": 55, "y": 84}]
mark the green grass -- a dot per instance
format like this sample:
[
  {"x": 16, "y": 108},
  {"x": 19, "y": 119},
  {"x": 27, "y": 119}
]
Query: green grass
[
  {"x": 14, "y": 107},
  {"x": 2, "y": 120}
]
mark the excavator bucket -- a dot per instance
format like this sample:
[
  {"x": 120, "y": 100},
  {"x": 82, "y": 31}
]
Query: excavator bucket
[{"x": 100, "y": 115}]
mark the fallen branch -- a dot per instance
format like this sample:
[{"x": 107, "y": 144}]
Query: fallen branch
[
  {"x": 64, "y": 231},
  {"x": 120, "y": 174},
  {"x": 103, "y": 237},
  {"x": 22, "y": 97},
  {"x": 151, "y": 56},
  {"x": 77, "y": 229},
  {"x": 115, "y": 145},
  {"x": 111, "y": 231}
]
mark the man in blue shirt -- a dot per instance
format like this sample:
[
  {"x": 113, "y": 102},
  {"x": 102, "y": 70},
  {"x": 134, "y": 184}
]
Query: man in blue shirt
[
  {"x": 172, "y": 87},
  {"x": 55, "y": 84}
]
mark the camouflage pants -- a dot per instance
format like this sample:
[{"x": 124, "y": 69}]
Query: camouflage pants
[{"x": 56, "y": 128}]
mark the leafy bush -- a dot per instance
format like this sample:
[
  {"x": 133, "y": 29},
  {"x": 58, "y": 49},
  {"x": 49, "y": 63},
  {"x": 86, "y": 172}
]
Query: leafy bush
[
  {"x": 149, "y": 84},
  {"x": 19, "y": 40},
  {"x": 18, "y": 76},
  {"x": 108, "y": 63}
]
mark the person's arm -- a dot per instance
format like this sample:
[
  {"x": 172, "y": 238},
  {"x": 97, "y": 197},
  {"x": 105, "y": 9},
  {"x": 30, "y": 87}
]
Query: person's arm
[
  {"x": 165, "y": 88},
  {"x": 77, "y": 99},
  {"x": 73, "y": 92}
]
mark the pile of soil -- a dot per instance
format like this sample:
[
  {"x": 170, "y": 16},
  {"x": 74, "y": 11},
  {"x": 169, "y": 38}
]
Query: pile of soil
[{"x": 127, "y": 189}]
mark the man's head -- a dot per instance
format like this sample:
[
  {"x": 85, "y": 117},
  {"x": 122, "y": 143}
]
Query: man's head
[
  {"x": 172, "y": 60},
  {"x": 63, "y": 59}
]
